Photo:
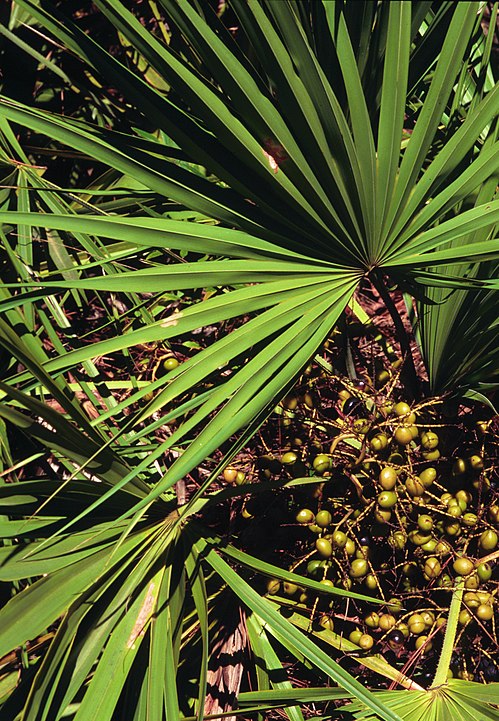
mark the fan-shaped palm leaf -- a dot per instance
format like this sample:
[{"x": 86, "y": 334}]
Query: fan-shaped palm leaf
[{"x": 292, "y": 160}]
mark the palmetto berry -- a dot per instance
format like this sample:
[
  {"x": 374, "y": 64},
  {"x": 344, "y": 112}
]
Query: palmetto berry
[
  {"x": 463, "y": 566},
  {"x": 387, "y": 499},
  {"x": 404, "y": 435},
  {"x": 387, "y": 478},
  {"x": 324, "y": 547},
  {"x": 429, "y": 440},
  {"x": 488, "y": 540},
  {"x": 323, "y": 518},
  {"x": 305, "y": 515},
  {"x": 366, "y": 642}
]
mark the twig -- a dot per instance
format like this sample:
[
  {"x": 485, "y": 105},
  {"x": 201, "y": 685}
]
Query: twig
[{"x": 408, "y": 369}]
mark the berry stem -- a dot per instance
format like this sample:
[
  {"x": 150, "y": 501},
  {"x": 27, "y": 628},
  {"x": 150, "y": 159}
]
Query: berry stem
[{"x": 408, "y": 368}]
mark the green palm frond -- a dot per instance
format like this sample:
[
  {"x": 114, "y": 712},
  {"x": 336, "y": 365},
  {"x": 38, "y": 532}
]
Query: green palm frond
[
  {"x": 323, "y": 144},
  {"x": 463, "y": 700}
]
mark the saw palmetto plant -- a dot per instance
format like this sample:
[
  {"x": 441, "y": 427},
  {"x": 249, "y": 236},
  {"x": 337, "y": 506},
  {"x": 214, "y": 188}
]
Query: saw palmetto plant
[{"x": 244, "y": 172}]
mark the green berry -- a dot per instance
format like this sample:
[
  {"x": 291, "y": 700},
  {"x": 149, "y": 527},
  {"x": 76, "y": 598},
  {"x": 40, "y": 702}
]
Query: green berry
[
  {"x": 358, "y": 568},
  {"x": 459, "y": 467},
  {"x": 386, "y": 621},
  {"x": 170, "y": 364},
  {"x": 382, "y": 516},
  {"x": 315, "y": 567},
  {"x": 323, "y": 519},
  {"x": 372, "y": 620},
  {"x": 418, "y": 538},
  {"x": 289, "y": 458},
  {"x": 403, "y": 435},
  {"x": 414, "y": 487},
  {"x": 432, "y": 567},
  {"x": 423, "y": 643},
  {"x": 401, "y": 408},
  {"x": 472, "y": 581},
  {"x": 488, "y": 540},
  {"x": 416, "y": 624},
  {"x": 470, "y": 519},
  {"x": 397, "y": 540},
  {"x": 484, "y": 612},
  {"x": 430, "y": 546},
  {"x": 355, "y": 636},
  {"x": 387, "y": 499},
  {"x": 431, "y": 455},
  {"x": 429, "y": 440},
  {"x": 471, "y": 599},
  {"x": 484, "y": 571},
  {"x": 387, "y": 478},
  {"x": 428, "y": 476},
  {"x": 379, "y": 442},
  {"x": 273, "y": 586},
  {"x": 327, "y": 623},
  {"x": 240, "y": 478},
  {"x": 322, "y": 463},
  {"x": 366, "y": 642},
  {"x": 463, "y": 566},
  {"x": 305, "y": 516},
  {"x": 464, "y": 617},
  {"x": 324, "y": 547},
  {"x": 349, "y": 545},
  {"x": 425, "y": 522},
  {"x": 475, "y": 463},
  {"x": 340, "y": 539}
]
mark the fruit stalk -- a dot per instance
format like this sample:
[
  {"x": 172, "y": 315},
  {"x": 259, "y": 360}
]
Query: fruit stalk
[{"x": 408, "y": 368}]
